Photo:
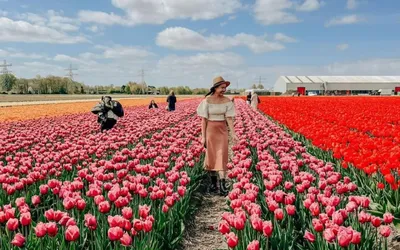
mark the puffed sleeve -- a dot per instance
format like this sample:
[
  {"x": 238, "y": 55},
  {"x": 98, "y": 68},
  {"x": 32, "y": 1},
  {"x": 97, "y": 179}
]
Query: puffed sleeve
[
  {"x": 202, "y": 109},
  {"x": 230, "y": 112}
]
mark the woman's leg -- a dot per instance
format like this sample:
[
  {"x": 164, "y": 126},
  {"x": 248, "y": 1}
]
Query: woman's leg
[{"x": 223, "y": 189}]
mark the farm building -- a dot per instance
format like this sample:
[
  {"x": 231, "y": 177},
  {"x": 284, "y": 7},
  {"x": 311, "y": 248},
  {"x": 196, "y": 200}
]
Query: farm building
[{"x": 337, "y": 84}]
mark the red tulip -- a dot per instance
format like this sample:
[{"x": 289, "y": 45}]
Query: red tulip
[
  {"x": 380, "y": 185},
  {"x": 52, "y": 229},
  {"x": 238, "y": 223},
  {"x": 80, "y": 204},
  {"x": 12, "y": 224},
  {"x": 376, "y": 221},
  {"x": 356, "y": 238},
  {"x": 19, "y": 240},
  {"x": 291, "y": 210},
  {"x": 223, "y": 227},
  {"x": 72, "y": 233},
  {"x": 329, "y": 235},
  {"x": 314, "y": 209},
  {"x": 309, "y": 236},
  {"x": 49, "y": 214},
  {"x": 115, "y": 233},
  {"x": 40, "y": 230},
  {"x": 267, "y": 228},
  {"x": 126, "y": 240},
  {"x": 43, "y": 189},
  {"x": 25, "y": 219},
  {"x": 318, "y": 226},
  {"x": 147, "y": 225},
  {"x": 232, "y": 240},
  {"x": 254, "y": 245},
  {"x": 104, "y": 207},
  {"x": 20, "y": 201},
  {"x": 127, "y": 212},
  {"x": 35, "y": 200},
  {"x": 345, "y": 236},
  {"x": 90, "y": 221},
  {"x": 144, "y": 211},
  {"x": 385, "y": 231},
  {"x": 278, "y": 214},
  {"x": 388, "y": 218},
  {"x": 137, "y": 224}
]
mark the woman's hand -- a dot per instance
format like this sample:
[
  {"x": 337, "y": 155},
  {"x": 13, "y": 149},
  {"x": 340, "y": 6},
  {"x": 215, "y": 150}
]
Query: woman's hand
[
  {"x": 235, "y": 138},
  {"x": 203, "y": 140}
]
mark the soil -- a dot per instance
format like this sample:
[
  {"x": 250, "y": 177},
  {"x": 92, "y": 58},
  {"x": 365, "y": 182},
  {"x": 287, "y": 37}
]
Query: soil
[{"x": 202, "y": 233}]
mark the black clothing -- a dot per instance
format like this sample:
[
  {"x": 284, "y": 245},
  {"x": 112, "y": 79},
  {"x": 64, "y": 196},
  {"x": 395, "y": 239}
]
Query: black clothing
[
  {"x": 108, "y": 124},
  {"x": 171, "y": 102},
  {"x": 249, "y": 97},
  {"x": 153, "y": 106}
]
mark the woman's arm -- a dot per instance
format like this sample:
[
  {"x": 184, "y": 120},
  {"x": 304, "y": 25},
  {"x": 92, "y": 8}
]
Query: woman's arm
[
  {"x": 203, "y": 127},
  {"x": 203, "y": 131},
  {"x": 229, "y": 120}
]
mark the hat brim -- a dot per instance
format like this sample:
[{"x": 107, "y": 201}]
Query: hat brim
[{"x": 223, "y": 82}]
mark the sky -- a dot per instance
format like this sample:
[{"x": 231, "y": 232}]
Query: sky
[{"x": 189, "y": 42}]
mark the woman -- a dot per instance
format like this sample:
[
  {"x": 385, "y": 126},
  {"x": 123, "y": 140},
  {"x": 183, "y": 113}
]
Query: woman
[
  {"x": 248, "y": 99},
  {"x": 217, "y": 112},
  {"x": 255, "y": 100},
  {"x": 171, "y": 99},
  {"x": 153, "y": 105}
]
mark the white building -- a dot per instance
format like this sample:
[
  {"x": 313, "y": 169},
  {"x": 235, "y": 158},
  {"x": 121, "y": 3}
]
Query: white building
[{"x": 353, "y": 84}]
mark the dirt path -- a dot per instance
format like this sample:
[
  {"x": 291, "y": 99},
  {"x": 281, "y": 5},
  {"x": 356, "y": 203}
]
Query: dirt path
[{"x": 203, "y": 234}]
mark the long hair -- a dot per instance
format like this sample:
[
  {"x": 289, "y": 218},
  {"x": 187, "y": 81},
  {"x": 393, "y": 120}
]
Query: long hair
[
  {"x": 172, "y": 93},
  {"x": 212, "y": 91}
]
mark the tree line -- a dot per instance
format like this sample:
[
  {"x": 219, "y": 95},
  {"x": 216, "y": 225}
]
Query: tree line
[{"x": 9, "y": 84}]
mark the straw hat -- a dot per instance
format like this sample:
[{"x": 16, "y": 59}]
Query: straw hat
[{"x": 219, "y": 80}]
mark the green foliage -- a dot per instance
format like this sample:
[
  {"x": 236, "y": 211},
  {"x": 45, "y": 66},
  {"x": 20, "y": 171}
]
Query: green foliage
[{"x": 7, "y": 81}]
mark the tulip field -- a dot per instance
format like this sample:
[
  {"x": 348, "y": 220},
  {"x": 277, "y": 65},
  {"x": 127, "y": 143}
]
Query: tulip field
[
  {"x": 65, "y": 185},
  {"x": 361, "y": 133}
]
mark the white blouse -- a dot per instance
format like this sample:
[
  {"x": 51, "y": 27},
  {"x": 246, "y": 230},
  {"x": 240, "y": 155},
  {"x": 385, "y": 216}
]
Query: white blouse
[{"x": 216, "y": 112}]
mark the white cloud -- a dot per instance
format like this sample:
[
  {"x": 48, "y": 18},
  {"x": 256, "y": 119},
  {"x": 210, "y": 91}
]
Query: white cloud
[
  {"x": 310, "y": 5},
  {"x": 156, "y": 12},
  {"x": 351, "y": 4},
  {"x": 231, "y": 17},
  {"x": 51, "y": 19},
  {"x": 21, "y": 31},
  {"x": 342, "y": 47},
  {"x": 132, "y": 53},
  {"x": 93, "y": 28},
  {"x": 269, "y": 12},
  {"x": 3, "y": 13},
  {"x": 284, "y": 38},
  {"x": 180, "y": 38},
  {"x": 223, "y": 24},
  {"x": 345, "y": 20}
]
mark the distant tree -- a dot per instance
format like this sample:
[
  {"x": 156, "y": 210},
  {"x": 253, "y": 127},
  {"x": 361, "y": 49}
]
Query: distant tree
[
  {"x": 7, "y": 81},
  {"x": 164, "y": 90},
  {"x": 128, "y": 90},
  {"x": 260, "y": 86},
  {"x": 21, "y": 86},
  {"x": 254, "y": 86}
]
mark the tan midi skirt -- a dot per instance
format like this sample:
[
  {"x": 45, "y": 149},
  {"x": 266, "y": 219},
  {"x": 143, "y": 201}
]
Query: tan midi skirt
[{"x": 217, "y": 146}]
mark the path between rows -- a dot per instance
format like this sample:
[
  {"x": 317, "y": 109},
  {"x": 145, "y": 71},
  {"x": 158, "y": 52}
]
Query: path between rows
[{"x": 202, "y": 233}]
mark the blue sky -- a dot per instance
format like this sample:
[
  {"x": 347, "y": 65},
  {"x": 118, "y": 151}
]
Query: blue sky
[{"x": 188, "y": 42}]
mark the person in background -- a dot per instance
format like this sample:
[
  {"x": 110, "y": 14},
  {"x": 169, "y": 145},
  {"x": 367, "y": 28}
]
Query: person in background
[
  {"x": 108, "y": 112},
  {"x": 171, "y": 99},
  {"x": 153, "y": 105},
  {"x": 217, "y": 112},
  {"x": 248, "y": 100},
  {"x": 255, "y": 100}
]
